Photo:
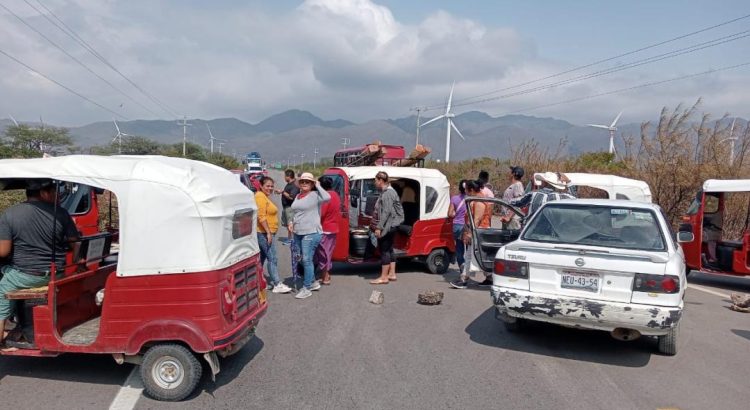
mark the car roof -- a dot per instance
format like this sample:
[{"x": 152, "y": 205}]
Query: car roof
[{"x": 605, "y": 202}]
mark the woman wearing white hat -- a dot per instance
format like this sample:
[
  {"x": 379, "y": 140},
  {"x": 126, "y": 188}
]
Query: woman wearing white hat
[{"x": 306, "y": 227}]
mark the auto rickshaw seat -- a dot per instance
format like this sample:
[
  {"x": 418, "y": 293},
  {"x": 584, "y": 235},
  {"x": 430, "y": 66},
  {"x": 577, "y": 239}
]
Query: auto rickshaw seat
[
  {"x": 405, "y": 229},
  {"x": 731, "y": 244},
  {"x": 39, "y": 293}
]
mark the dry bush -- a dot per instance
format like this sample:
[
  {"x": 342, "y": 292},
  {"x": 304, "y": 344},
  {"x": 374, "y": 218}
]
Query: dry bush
[{"x": 674, "y": 156}]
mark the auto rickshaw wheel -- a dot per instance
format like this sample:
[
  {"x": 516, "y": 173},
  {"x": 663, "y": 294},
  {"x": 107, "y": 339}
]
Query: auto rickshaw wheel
[
  {"x": 438, "y": 261},
  {"x": 170, "y": 372}
]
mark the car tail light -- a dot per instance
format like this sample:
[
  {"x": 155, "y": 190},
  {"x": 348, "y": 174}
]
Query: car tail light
[
  {"x": 645, "y": 282},
  {"x": 512, "y": 269}
]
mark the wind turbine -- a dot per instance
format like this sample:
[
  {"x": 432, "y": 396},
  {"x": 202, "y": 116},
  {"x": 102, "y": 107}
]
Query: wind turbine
[
  {"x": 731, "y": 140},
  {"x": 611, "y": 128},
  {"x": 212, "y": 139},
  {"x": 448, "y": 115},
  {"x": 118, "y": 137}
]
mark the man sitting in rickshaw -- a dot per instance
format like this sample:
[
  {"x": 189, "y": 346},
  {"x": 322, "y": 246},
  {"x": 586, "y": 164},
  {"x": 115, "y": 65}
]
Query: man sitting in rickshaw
[{"x": 28, "y": 243}]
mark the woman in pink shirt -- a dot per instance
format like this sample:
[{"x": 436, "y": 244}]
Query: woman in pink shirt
[{"x": 330, "y": 215}]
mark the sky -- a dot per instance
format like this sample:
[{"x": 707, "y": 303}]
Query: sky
[{"x": 361, "y": 60}]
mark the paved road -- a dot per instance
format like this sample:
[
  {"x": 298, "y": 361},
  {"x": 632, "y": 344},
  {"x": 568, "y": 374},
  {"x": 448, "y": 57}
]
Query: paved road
[{"x": 336, "y": 350}]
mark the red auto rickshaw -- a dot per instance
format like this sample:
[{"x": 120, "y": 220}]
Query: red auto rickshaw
[
  {"x": 426, "y": 234},
  {"x": 184, "y": 283},
  {"x": 710, "y": 250}
]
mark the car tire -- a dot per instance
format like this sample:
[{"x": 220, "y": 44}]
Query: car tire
[
  {"x": 438, "y": 261},
  {"x": 668, "y": 342},
  {"x": 170, "y": 372},
  {"x": 511, "y": 324}
]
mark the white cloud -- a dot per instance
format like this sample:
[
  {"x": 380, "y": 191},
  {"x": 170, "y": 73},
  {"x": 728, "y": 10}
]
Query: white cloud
[{"x": 348, "y": 59}]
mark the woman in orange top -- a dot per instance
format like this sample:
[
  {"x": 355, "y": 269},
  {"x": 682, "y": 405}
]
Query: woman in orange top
[
  {"x": 478, "y": 211},
  {"x": 268, "y": 225}
]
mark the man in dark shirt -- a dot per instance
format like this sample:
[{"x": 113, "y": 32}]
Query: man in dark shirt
[
  {"x": 287, "y": 197},
  {"x": 26, "y": 242}
]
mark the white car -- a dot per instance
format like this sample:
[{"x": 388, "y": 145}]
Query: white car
[{"x": 609, "y": 265}]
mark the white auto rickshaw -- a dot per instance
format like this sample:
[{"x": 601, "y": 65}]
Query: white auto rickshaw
[{"x": 186, "y": 280}]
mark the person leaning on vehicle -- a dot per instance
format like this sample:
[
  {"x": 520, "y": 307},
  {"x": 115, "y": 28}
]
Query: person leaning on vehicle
[
  {"x": 26, "y": 238},
  {"x": 553, "y": 187}
]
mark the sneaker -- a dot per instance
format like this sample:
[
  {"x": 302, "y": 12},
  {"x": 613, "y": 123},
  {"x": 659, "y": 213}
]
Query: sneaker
[
  {"x": 304, "y": 293},
  {"x": 460, "y": 284},
  {"x": 281, "y": 288},
  {"x": 315, "y": 285},
  {"x": 486, "y": 282},
  {"x": 269, "y": 286}
]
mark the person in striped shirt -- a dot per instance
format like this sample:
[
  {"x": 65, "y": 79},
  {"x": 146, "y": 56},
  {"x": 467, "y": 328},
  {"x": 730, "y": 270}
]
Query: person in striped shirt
[{"x": 553, "y": 187}]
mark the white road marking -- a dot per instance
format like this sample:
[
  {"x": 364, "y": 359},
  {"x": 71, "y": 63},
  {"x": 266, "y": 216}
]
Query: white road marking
[
  {"x": 129, "y": 393},
  {"x": 707, "y": 290}
]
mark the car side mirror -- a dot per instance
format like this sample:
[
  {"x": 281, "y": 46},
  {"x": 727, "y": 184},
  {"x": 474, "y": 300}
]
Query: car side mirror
[{"x": 683, "y": 237}]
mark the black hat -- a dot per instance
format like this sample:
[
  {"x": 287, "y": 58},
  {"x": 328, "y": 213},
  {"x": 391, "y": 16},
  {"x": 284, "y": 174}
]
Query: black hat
[
  {"x": 517, "y": 172},
  {"x": 37, "y": 184}
]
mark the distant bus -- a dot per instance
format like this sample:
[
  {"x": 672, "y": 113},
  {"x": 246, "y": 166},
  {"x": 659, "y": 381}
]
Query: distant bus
[{"x": 354, "y": 156}]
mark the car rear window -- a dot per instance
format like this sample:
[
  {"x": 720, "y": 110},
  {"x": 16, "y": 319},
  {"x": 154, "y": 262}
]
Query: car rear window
[{"x": 595, "y": 225}]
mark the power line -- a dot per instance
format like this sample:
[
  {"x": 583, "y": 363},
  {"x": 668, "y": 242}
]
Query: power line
[
  {"x": 72, "y": 34},
  {"x": 81, "y": 63},
  {"x": 649, "y": 60},
  {"x": 602, "y": 61},
  {"x": 63, "y": 86},
  {"x": 621, "y": 90}
]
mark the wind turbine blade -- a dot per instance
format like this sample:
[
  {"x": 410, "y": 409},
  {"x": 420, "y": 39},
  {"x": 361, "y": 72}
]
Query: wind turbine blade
[
  {"x": 731, "y": 130},
  {"x": 597, "y": 126},
  {"x": 456, "y": 129},
  {"x": 615, "y": 121},
  {"x": 450, "y": 99},
  {"x": 209, "y": 131},
  {"x": 433, "y": 120},
  {"x": 16, "y": 122},
  {"x": 116, "y": 127}
]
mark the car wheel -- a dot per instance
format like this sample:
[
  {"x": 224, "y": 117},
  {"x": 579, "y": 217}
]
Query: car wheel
[
  {"x": 511, "y": 324},
  {"x": 668, "y": 342},
  {"x": 170, "y": 372},
  {"x": 438, "y": 261}
]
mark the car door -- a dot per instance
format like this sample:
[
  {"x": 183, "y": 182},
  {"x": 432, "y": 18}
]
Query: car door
[{"x": 488, "y": 239}]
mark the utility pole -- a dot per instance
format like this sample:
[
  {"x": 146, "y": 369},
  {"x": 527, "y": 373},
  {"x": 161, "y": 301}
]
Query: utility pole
[
  {"x": 184, "y": 134},
  {"x": 345, "y": 141},
  {"x": 302, "y": 158},
  {"x": 221, "y": 144},
  {"x": 419, "y": 117},
  {"x": 315, "y": 158}
]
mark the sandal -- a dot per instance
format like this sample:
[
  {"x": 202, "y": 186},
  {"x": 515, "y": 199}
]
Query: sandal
[
  {"x": 392, "y": 279},
  {"x": 379, "y": 282},
  {"x": 325, "y": 282}
]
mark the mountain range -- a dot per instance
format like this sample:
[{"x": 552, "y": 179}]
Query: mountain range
[{"x": 295, "y": 132}]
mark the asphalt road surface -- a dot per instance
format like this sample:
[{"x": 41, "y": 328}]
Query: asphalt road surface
[{"x": 335, "y": 350}]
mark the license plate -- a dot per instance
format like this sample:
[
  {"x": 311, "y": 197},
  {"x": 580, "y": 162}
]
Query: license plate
[{"x": 586, "y": 281}]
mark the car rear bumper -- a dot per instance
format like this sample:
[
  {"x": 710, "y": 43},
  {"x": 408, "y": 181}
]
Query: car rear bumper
[{"x": 585, "y": 313}]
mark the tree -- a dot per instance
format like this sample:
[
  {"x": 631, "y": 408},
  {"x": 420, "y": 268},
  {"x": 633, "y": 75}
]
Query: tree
[{"x": 25, "y": 141}]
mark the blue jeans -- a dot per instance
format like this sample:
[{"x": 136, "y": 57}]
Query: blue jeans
[
  {"x": 308, "y": 244},
  {"x": 458, "y": 236},
  {"x": 268, "y": 252}
]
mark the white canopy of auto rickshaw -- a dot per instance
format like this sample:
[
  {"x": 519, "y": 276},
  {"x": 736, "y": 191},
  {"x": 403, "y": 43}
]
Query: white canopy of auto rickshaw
[
  {"x": 726, "y": 185},
  {"x": 426, "y": 177},
  {"x": 175, "y": 214},
  {"x": 616, "y": 187}
]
